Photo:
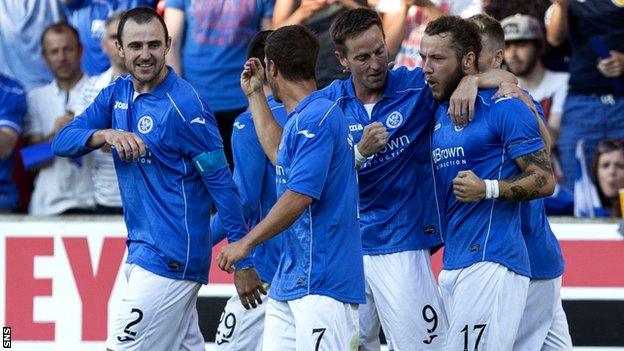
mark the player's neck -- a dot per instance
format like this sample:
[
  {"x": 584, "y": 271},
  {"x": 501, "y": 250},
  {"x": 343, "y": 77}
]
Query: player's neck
[
  {"x": 368, "y": 96},
  {"x": 534, "y": 78},
  {"x": 118, "y": 71},
  {"x": 146, "y": 87},
  {"x": 294, "y": 92}
]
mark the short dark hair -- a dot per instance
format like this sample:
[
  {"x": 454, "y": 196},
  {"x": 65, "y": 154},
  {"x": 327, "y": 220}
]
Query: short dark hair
[
  {"x": 352, "y": 23},
  {"x": 59, "y": 28},
  {"x": 464, "y": 34},
  {"x": 490, "y": 28},
  {"x": 256, "y": 45},
  {"x": 294, "y": 49},
  {"x": 140, "y": 15}
]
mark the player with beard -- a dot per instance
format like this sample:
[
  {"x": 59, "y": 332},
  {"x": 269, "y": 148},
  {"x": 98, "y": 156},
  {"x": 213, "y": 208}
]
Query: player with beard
[
  {"x": 544, "y": 323},
  {"x": 389, "y": 112},
  {"x": 171, "y": 167},
  {"x": 500, "y": 155}
]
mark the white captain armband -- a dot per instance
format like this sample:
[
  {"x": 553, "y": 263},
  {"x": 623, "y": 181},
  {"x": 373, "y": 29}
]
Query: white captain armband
[{"x": 208, "y": 162}]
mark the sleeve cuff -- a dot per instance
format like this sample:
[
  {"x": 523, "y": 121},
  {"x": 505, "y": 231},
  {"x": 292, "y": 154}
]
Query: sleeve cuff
[{"x": 245, "y": 263}]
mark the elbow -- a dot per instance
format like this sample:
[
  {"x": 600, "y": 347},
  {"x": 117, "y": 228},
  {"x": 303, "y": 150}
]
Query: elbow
[
  {"x": 554, "y": 39},
  {"x": 549, "y": 187}
]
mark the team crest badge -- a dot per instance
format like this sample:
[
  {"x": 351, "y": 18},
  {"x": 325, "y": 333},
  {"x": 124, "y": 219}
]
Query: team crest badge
[
  {"x": 394, "y": 120},
  {"x": 618, "y": 3},
  {"x": 145, "y": 124}
]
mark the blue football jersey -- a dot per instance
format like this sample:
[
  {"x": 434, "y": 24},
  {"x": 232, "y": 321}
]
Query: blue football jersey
[
  {"x": 488, "y": 230},
  {"x": 543, "y": 247},
  {"x": 166, "y": 195},
  {"x": 12, "y": 111},
  {"x": 542, "y": 244},
  {"x": 254, "y": 176},
  {"x": 322, "y": 250},
  {"x": 398, "y": 210}
]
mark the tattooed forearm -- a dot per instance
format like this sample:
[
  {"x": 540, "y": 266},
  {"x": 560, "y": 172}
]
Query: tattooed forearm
[
  {"x": 539, "y": 158},
  {"x": 536, "y": 179}
]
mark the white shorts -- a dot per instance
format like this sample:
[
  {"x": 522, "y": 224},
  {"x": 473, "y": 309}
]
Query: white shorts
[
  {"x": 241, "y": 329},
  {"x": 544, "y": 325},
  {"x": 156, "y": 313},
  {"x": 313, "y": 322},
  {"x": 402, "y": 296},
  {"x": 484, "y": 303}
]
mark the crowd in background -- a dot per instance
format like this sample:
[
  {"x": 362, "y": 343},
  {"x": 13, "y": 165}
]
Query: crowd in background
[{"x": 55, "y": 56}]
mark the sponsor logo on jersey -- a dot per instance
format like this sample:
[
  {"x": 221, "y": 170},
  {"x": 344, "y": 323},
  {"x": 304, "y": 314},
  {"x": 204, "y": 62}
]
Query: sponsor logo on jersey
[
  {"x": 437, "y": 126},
  {"x": 458, "y": 128},
  {"x": 356, "y": 127},
  {"x": 145, "y": 124},
  {"x": 239, "y": 125},
  {"x": 198, "y": 120},
  {"x": 394, "y": 120},
  {"x": 120, "y": 105},
  {"x": 450, "y": 156},
  {"x": 306, "y": 134}
]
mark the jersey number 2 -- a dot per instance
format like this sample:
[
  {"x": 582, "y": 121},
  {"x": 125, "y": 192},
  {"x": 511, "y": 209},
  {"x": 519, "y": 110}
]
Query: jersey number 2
[{"x": 130, "y": 334}]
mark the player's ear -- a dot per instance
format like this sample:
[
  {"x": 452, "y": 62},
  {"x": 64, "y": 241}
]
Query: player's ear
[
  {"x": 167, "y": 45},
  {"x": 119, "y": 48},
  {"x": 342, "y": 58},
  {"x": 498, "y": 58},
  {"x": 272, "y": 68},
  {"x": 469, "y": 63}
]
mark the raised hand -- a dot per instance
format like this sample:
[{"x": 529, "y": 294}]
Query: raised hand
[{"x": 252, "y": 78}]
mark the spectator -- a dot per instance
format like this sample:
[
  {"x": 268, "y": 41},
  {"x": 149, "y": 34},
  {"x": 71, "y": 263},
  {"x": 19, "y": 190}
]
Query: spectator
[
  {"x": 209, "y": 43},
  {"x": 524, "y": 43},
  {"x": 21, "y": 25},
  {"x": 89, "y": 17},
  {"x": 405, "y": 22},
  {"x": 608, "y": 171},
  {"x": 63, "y": 185},
  {"x": 12, "y": 110},
  {"x": 317, "y": 15},
  {"x": 594, "y": 107},
  {"x": 105, "y": 185}
]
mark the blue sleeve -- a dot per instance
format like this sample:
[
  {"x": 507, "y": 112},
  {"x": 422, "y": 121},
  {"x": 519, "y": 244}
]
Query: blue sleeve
[
  {"x": 311, "y": 150},
  {"x": 12, "y": 110},
  {"x": 71, "y": 141},
  {"x": 199, "y": 140},
  {"x": 518, "y": 128},
  {"x": 249, "y": 163},
  {"x": 176, "y": 4},
  {"x": 217, "y": 231}
]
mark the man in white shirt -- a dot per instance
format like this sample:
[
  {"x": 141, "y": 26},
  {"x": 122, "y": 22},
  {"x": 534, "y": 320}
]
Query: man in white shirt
[
  {"x": 524, "y": 42},
  {"x": 105, "y": 185},
  {"x": 62, "y": 185}
]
